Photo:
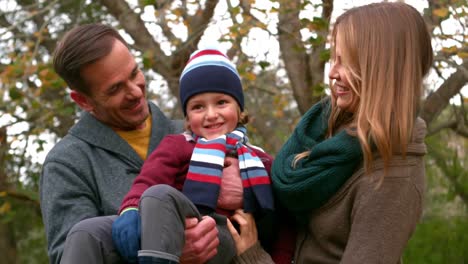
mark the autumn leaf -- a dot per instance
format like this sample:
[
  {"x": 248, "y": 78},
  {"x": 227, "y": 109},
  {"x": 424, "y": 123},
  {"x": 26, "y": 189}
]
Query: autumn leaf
[
  {"x": 440, "y": 12},
  {"x": 250, "y": 76},
  {"x": 450, "y": 50},
  {"x": 463, "y": 54},
  {"x": 5, "y": 208}
]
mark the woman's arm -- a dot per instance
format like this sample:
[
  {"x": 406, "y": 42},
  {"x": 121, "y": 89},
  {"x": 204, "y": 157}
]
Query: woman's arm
[{"x": 383, "y": 220}]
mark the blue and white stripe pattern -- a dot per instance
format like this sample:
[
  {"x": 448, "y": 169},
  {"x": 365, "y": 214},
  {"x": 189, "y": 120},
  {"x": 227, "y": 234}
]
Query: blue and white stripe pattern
[{"x": 205, "y": 171}]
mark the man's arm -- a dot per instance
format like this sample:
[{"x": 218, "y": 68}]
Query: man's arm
[{"x": 66, "y": 199}]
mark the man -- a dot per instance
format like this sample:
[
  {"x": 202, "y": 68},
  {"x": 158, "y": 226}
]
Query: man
[{"x": 89, "y": 171}]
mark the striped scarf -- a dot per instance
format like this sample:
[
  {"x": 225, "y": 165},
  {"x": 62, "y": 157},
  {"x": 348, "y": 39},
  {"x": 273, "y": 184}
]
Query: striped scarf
[{"x": 203, "y": 179}]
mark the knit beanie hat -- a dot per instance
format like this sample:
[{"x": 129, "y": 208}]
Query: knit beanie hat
[{"x": 209, "y": 70}]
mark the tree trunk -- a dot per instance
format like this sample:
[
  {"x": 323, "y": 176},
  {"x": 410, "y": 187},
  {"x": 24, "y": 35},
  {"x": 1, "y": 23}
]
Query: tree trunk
[
  {"x": 305, "y": 71},
  {"x": 7, "y": 235}
]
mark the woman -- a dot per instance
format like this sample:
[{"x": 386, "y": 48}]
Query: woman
[{"x": 352, "y": 173}]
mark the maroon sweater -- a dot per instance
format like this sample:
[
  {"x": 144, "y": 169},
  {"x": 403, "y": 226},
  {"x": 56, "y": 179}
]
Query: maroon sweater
[{"x": 169, "y": 164}]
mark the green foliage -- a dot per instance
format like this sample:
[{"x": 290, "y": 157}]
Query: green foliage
[
  {"x": 15, "y": 94},
  {"x": 264, "y": 64},
  {"x": 446, "y": 169},
  {"x": 21, "y": 212},
  {"x": 441, "y": 236},
  {"x": 439, "y": 240},
  {"x": 318, "y": 89},
  {"x": 147, "y": 2},
  {"x": 148, "y": 59},
  {"x": 325, "y": 55},
  {"x": 316, "y": 40},
  {"x": 32, "y": 247}
]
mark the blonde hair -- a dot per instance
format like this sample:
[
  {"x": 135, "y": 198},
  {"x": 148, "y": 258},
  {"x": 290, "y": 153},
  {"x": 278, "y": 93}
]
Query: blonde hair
[{"x": 386, "y": 49}]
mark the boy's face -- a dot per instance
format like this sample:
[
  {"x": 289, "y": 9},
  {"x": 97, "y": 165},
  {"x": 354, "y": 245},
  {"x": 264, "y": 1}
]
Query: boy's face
[{"x": 211, "y": 115}]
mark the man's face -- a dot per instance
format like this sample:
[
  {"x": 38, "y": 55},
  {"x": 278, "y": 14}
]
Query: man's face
[{"x": 117, "y": 90}]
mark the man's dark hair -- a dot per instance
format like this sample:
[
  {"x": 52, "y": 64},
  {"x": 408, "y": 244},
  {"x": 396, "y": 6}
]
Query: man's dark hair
[{"x": 81, "y": 46}]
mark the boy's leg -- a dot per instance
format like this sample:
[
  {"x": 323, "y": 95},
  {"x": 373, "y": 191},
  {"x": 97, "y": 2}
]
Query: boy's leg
[
  {"x": 90, "y": 241},
  {"x": 163, "y": 210},
  {"x": 227, "y": 247}
]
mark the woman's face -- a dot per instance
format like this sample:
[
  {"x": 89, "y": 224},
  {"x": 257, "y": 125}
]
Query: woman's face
[{"x": 346, "y": 97}]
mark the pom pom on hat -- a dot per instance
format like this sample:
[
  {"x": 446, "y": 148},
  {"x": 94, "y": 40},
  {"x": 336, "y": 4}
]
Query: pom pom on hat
[{"x": 210, "y": 70}]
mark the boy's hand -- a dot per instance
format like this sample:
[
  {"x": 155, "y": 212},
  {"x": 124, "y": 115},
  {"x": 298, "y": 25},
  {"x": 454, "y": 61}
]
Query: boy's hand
[{"x": 126, "y": 231}]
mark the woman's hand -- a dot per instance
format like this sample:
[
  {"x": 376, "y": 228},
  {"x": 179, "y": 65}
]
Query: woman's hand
[{"x": 248, "y": 230}]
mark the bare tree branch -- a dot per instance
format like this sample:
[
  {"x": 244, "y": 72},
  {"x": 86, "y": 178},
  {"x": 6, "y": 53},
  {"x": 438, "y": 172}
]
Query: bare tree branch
[
  {"x": 21, "y": 197},
  {"x": 31, "y": 15},
  {"x": 196, "y": 26},
  {"x": 135, "y": 27},
  {"x": 163, "y": 23},
  {"x": 439, "y": 99}
]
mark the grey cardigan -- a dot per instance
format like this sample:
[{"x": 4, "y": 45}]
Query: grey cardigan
[{"x": 87, "y": 174}]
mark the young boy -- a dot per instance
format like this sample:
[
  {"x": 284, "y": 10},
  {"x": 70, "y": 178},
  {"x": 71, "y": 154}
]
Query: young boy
[{"x": 211, "y": 169}]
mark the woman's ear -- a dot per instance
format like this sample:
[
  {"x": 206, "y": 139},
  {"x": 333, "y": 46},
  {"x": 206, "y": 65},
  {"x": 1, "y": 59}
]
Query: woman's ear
[{"x": 83, "y": 101}]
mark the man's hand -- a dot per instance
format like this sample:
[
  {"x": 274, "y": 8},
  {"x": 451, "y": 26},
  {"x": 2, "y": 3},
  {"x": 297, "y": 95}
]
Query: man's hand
[{"x": 201, "y": 240}]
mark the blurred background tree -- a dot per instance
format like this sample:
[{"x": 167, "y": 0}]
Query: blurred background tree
[{"x": 280, "y": 48}]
